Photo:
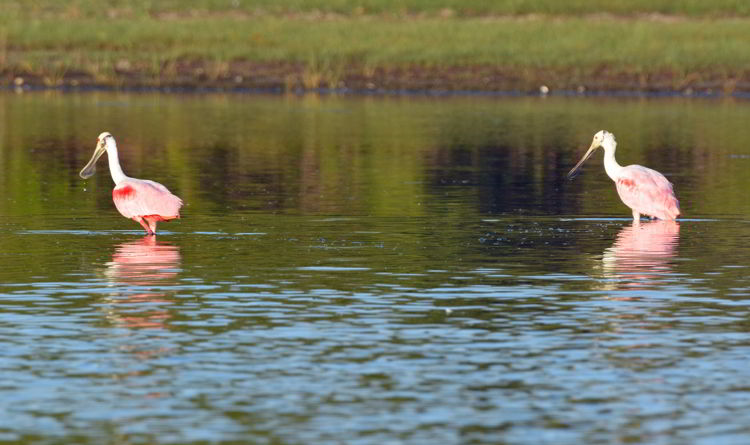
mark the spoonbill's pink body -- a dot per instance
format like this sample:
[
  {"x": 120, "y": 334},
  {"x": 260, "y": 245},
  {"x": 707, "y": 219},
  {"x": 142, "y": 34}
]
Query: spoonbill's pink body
[
  {"x": 146, "y": 202},
  {"x": 644, "y": 190}
]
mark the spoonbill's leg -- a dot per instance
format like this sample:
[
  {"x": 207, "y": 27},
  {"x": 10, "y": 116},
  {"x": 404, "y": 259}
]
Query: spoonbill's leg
[
  {"x": 145, "y": 226},
  {"x": 152, "y": 226},
  {"x": 636, "y": 217}
]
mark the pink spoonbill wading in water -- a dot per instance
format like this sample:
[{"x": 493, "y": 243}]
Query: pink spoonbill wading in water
[
  {"x": 644, "y": 190},
  {"x": 146, "y": 202}
]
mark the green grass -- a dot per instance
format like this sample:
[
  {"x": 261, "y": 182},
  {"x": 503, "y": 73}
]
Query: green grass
[
  {"x": 96, "y": 8},
  {"x": 583, "y": 43},
  {"x": 51, "y": 39}
]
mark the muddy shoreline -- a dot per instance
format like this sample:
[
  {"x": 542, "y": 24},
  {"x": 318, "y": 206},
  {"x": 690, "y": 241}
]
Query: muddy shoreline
[{"x": 299, "y": 77}]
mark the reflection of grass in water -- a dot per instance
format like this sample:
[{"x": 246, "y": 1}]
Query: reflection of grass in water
[
  {"x": 151, "y": 40},
  {"x": 366, "y": 156}
]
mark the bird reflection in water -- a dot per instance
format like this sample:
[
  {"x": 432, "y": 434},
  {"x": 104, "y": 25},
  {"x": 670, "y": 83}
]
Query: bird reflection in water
[
  {"x": 141, "y": 269},
  {"x": 641, "y": 256}
]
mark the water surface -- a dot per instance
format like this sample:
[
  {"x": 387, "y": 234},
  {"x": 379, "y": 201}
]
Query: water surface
[{"x": 372, "y": 270}]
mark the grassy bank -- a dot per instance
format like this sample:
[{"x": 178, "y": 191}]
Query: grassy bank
[
  {"x": 413, "y": 44},
  {"x": 132, "y": 8}
]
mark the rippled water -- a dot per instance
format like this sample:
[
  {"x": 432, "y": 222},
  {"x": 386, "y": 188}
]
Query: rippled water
[{"x": 373, "y": 270}]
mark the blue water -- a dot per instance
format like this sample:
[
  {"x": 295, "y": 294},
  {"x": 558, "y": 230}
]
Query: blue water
[{"x": 367, "y": 270}]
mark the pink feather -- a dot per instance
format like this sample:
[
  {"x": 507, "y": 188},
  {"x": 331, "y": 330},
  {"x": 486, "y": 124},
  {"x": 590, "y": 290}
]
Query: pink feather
[
  {"x": 648, "y": 192},
  {"x": 142, "y": 198}
]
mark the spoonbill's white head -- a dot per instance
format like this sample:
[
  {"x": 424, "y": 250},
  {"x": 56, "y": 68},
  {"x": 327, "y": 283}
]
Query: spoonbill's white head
[
  {"x": 603, "y": 139},
  {"x": 104, "y": 141}
]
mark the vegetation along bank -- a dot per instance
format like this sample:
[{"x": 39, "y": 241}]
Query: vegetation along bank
[{"x": 687, "y": 46}]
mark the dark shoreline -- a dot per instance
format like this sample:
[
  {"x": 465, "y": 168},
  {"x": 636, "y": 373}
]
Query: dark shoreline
[
  {"x": 247, "y": 77},
  {"x": 383, "y": 93}
]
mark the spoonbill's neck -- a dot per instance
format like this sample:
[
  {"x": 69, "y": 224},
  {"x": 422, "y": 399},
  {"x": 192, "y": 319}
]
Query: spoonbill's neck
[
  {"x": 610, "y": 163},
  {"x": 114, "y": 163}
]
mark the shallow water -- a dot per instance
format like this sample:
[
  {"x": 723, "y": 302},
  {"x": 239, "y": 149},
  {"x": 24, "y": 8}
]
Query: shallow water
[{"x": 373, "y": 270}]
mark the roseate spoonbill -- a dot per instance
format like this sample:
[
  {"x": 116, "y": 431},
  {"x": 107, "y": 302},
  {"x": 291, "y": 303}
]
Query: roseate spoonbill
[
  {"x": 642, "y": 189},
  {"x": 146, "y": 202}
]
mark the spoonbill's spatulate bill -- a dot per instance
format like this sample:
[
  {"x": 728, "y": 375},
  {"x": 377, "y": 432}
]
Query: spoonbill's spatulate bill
[
  {"x": 644, "y": 190},
  {"x": 146, "y": 202}
]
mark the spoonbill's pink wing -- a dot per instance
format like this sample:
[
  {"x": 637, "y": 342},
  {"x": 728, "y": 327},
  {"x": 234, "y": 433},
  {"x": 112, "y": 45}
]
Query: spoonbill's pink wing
[
  {"x": 141, "y": 198},
  {"x": 648, "y": 192}
]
